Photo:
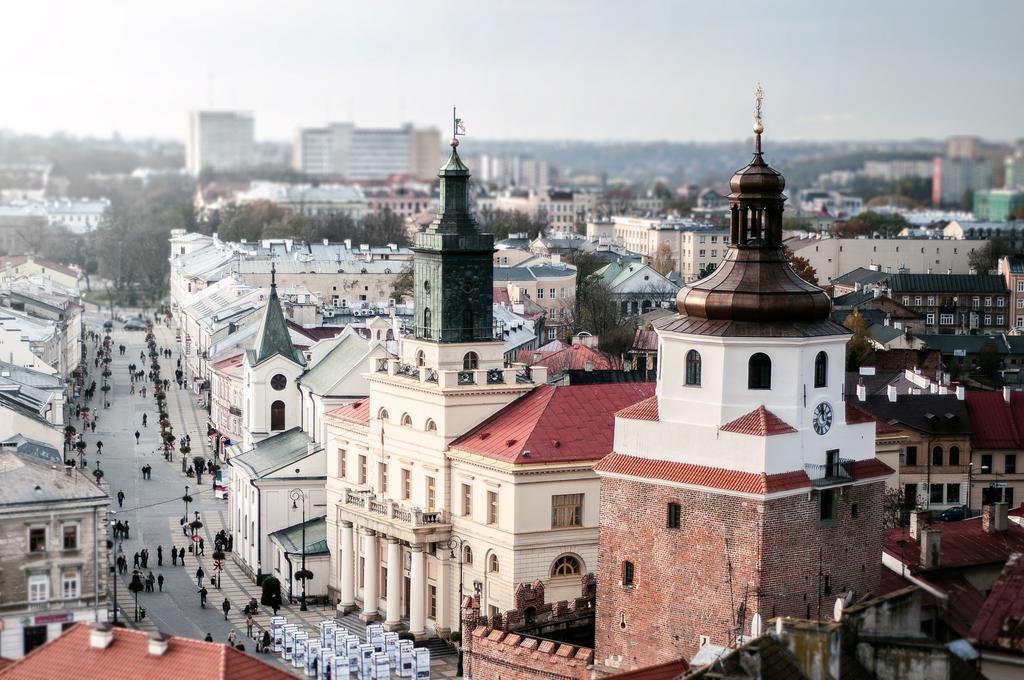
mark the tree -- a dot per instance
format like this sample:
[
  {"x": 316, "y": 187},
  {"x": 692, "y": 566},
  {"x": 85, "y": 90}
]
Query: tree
[
  {"x": 988, "y": 360},
  {"x": 596, "y": 309},
  {"x": 802, "y": 267},
  {"x": 983, "y": 260},
  {"x": 271, "y": 595},
  {"x": 859, "y": 349},
  {"x": 402, "y": 286},
  {"x": 895, "y": 510},
  {"x": 663, "y": 262},
  {"x": 501, "y": 223}
]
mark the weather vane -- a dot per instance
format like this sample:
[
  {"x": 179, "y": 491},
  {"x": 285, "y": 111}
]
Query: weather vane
[
  {"x": 758, "y": 102},
  {"x": 458, "y": 128}
]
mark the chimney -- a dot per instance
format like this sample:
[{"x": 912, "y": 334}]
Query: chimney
[
  {"x": 891, "y": 392},
  {"x": 994, "y": 519},
  {"x": 931, "y": 545},
  {"x": 101, "y": 635},
  {"x": 158, "y": 643},
  {"x": 1006, "y": 394},
  {"x": 960, "y": 392},
  {"x": 862, "y": 392},
  {"x": 918, "y": 521}
]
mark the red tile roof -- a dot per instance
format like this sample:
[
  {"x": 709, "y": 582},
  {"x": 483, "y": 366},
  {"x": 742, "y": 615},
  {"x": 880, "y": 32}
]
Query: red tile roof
[
  {"x": 963, "y": 603},
  {"x": 760, "y": 422},
  {"x": 500, "y": 295},
  {"x": 994, "y": 423},
  {"x": 573, "y": 357},
  {"x": 316, "y": 332},
  {"x": 645, "y": 340},
  {"x": 554, "y": 424},
  {"x": 356, "y": 412},
  {"x": 856, "y": 415},
  {"x": 642, "y": 410},
  {"x": 5, "y": 662},
  {"x": 1000, "y": 623},
  {"x": 230, "y": 366},
  {"x": 702, "y": 475},
  {"x": 664, "y": 671},
  {"x": 868, "y": 469},
  {"x": 963, "y": 544},
  {"x": 71, "y": 657}
]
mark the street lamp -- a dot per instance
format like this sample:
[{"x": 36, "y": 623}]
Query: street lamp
[
  {"x": 136, "y": 586},
  {"x": 295, "y": 495},
  {"x": 455, "y": 543},
  {"x": 187, "y": 499}
]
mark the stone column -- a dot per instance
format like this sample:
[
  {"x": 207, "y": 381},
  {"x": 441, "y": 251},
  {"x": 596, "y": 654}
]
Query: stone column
[
  {"x": 394, "y": 607},
  {"x": 417, "y": 595},
  {"x": 371, "y": 565},
  {"x": 348, "y": 567}
]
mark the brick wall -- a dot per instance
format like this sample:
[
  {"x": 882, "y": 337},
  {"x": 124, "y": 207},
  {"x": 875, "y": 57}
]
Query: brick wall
[{"x": 684, "y": 588}]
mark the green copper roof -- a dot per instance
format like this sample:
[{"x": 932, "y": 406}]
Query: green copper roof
[
  {"x": 454, "y": 163},
  {"x": 273, "y": 337}
]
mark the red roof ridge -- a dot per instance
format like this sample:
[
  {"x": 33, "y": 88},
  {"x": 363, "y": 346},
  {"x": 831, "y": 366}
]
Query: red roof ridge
[
  {"x": 357, "y": 412},
  {"x": 760, "y": 422},
  {"x": 642, "y": 410},
  {"x": 703, "y": 475}
]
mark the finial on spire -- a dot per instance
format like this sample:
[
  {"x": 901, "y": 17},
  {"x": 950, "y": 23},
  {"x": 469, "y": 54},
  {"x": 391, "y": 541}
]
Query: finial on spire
[
  {"x": 458, "y": 129},
  {"x": 758, "y": 124},
  {"x": 273, "y": 275}
]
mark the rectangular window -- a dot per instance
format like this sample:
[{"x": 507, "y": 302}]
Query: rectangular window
[
  {"x": 988, "y": 319},
  {"x": 1010, "y": 463},
  {"x": 37, "y": 539},
  {"x": 70, "y": 534},
  {"x": 69, "y": 584},
  {"x": 38, "y": 588},
  {"x": 906, "y": 299},
  {"x": 931, "y": 301},
  {"x": 827, "y": 505},
  {"x": 467, "y": 500},
  {"x": 1020, "y": 286},
  {"x": 492, "y": 507},
  {"x": 937, "y": 456},
  {"x": 1000, "y": 319},
  {"x": 382, "y": 477},
  {"x": 952, "y": 493},
  {"x": 540, "y": 293},
  {"x": 1000, "y": 302},
  {"x": 936, "y": 493},
  {"x": 342, "y": 463},
  {"x": 431, "y": 493},
  {"x": 988, "y": 302},
  {"x": 946, "y": 319},
  {"x": 703, "y": 253},
  {"x": 362, "y": 469},
  {"x": 432, "y": 602},
  {"x": 929, "y": 319},
  {"x": 675, "y": 515},
  {"x": 567, "y": 511},
  {"x": 917, "y": 300},
  {"x": 911, "y": 455},
  {"x": 551, "y": 293},
  {"x": 406, "y": 484},
  {"x": 986, "y": 463}
]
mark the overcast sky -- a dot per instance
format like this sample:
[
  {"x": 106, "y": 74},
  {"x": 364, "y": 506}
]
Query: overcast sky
[{"x": 552, "y": 69}]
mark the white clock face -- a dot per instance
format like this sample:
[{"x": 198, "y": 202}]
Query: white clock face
[{"x": 822, "y": 417}]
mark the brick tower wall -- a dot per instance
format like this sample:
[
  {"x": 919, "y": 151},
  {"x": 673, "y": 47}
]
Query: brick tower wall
[{"x": 682, "y": 586}]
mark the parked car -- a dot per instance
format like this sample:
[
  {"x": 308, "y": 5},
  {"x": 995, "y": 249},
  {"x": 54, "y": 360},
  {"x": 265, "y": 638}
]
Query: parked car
[
  {"x": 955, "y": 514},
  {"x": 134, "y": 325},
  {"x": 108, "y": 325}
]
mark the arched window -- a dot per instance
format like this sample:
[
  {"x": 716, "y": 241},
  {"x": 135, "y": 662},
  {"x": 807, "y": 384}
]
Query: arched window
[
  {"x": 954, "y": 455},
  {"x": 467, "y": 555},
  {"x": 628, "y": 574},
  {"x": 277, "y": 416},
  {"x": 420, "y": 358},
  {"x": 937, "y": 455},
  {"x": 382, "y": 414},
  {"x": 426, "y": 322},
  {"x": 821, "y": 370},
  {"x": 693, "y": 368},
  {"x": 406, "y": 420},
  {"x": 470, "y": 361},
  {"x": 431, "y": 426},
  {"x": 759, "y": 372},
  {"x": 492, "y": 564},
  {"x": 566, "y": 565}
]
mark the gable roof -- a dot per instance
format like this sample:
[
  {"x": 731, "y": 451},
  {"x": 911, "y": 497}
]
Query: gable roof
[
  {"x": 702, "y": 475},
  {"x": 347, "y": 355},
  {"x": 356, "y": 412},
  {"x": 861, "y": 275},
  {"x": 273, "y": 337},
  {"x": 1000, "y": 623},
  {"x": 964, "y": 544},
  {"x": 996, "y": 424},
  {"x": 72, "y": 657},
  {"x": 935, "y": 414},
  {"x": 571, "y": 357},
  {"x": 554, "y": 424},
  {"x": 290, "y": 538},
  {"x": 642, "y": 410},
  {"x": 760, "y": 422},
  {"x": 275, "y": 452}
]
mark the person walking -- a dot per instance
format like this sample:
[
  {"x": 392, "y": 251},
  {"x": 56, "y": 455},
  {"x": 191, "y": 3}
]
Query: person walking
[
  {"x": 199, "y": 576},
  {"x": 120, "y": 499},
  {"x": 137, "y": 557},
  {"x": 203, "y": 592},
  {"x": 93, "y": 425},
  {"x": 266, "y": 640},
  {"x": 145, "y": 558},
  {"x": 181, "y": 556},
  {"x": 202, "y": 546},
  {"x": 174, "y": 556},
  {"x": 248, "y": 625},
  {"x": 137, "y": 435},
  {"x": 145, "y": 418},
  {"x": 150, "y": 581},
  {"x": 232, "y": 637},
  {"x": 160, "y": 582},
  {"x": 226, "y": 607},
  {"x": 159, "y": 556},
  {"x": 99, "y": 447}
]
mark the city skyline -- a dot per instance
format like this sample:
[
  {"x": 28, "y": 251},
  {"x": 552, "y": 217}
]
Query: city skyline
[{"x": 571, "y": 70}]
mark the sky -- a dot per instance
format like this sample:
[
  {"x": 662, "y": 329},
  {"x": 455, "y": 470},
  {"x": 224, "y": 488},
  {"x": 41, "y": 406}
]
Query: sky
[{"x": 520, "y": 69}]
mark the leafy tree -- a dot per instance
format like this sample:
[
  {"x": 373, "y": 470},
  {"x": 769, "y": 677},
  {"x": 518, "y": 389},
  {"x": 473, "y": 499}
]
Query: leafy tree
[
  {"x": 988, "y": 360},
  {"x": 802, "y": 266},
  {"x": 895, "y": 511},
  {"x": 983, "y": 260},
  {"x": 501, "y": 223},
  {"x": 859, "y": 349},
  {"x": 596, "y": 310},
  {"x": 402, "y": 287},
  {"x": 271, "y": 595}
]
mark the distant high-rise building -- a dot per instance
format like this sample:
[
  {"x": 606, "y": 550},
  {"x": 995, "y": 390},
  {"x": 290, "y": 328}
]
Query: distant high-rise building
[
  {"x": 219, "y": 140},
  {"x": 963, "y": 147},
  {"x": 1014, "y": 172},
  {"x": 953, "y": 177},
  {"x": 508, "y": 170},
  {"x": 367, "y": 153}
]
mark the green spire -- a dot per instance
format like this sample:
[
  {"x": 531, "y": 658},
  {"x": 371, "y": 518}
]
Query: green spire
[{"x": 273, "y": 336}]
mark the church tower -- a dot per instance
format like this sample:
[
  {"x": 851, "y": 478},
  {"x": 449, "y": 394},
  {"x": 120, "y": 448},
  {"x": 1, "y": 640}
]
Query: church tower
[{"x": 744, "y": 489}]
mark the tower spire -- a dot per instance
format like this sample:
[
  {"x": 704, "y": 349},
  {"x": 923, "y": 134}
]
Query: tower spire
[
  {"x": 273, "y": 278},
  {"x": 758, "y": 123}
]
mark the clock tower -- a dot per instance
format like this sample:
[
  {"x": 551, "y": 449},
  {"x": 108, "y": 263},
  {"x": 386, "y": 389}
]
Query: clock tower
[{"x": 745, "y": 489}]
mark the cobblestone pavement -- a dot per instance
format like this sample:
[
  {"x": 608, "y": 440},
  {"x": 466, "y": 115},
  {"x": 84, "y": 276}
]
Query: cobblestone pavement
[{"x": 154, "y": 509}]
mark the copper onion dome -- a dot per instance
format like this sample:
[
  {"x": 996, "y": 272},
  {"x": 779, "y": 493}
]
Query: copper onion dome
[{"x": 755, "y": 281}]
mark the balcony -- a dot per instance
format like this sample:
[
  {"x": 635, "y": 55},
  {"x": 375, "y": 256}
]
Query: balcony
[
  {"x": 830, "y": 474},
  {"x": 516, "y": 374},
  {"x": 394, "y": 519}
]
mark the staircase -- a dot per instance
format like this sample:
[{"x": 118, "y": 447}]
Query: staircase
[{"x": 353, "y": 623}]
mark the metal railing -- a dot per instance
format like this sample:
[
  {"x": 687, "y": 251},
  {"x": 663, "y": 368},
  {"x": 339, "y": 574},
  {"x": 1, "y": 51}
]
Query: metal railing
[
  {"x": 495, "y": 376},
  {"x": 382, "y": 365},
  {"x": 830, "y": 473},
  {"x": 467, "y": 378},
  {"x": 393, "y": 510},
  {"x": 408, "y": 370},
  {"x": 430, "y": 375}
]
